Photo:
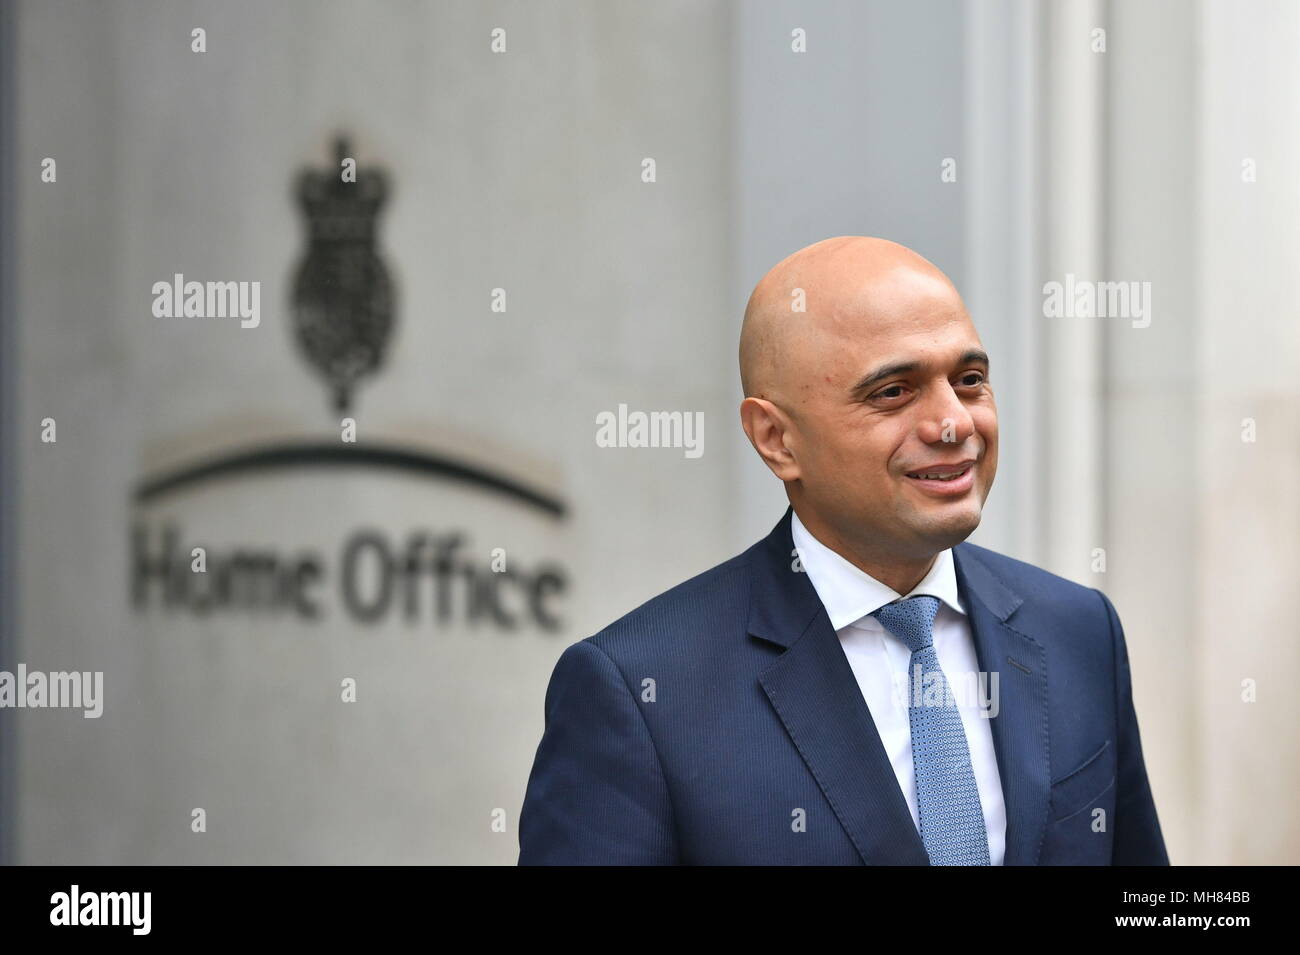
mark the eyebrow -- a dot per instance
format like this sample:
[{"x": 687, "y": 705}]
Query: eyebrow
[{"x": 973, "y": 356}]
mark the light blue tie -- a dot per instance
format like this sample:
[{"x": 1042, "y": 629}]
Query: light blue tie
[{"x": 948, "y": 802}]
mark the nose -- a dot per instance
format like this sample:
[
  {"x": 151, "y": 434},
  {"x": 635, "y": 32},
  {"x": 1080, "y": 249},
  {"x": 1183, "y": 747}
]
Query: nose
[{"x": 944, "y": 417}]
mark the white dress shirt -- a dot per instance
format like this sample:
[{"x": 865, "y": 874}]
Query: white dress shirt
[{"x": 880, "y": 661}]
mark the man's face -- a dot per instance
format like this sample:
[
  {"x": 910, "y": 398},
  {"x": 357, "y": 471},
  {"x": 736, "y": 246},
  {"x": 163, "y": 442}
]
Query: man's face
[{"x": 885, "y": 397}]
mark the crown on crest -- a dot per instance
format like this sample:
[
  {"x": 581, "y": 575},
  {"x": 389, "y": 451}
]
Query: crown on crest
[{"x": 339, "y": 211}]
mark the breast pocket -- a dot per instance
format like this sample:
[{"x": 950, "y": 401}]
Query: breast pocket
[{"x": 1082, "y": 788}]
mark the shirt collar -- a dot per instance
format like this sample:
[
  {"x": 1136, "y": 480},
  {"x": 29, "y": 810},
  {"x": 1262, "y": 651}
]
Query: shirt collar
[{"x": 849, "y": 594}]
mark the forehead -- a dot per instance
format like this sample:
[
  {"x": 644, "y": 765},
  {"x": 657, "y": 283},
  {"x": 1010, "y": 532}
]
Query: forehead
[{"x": 908, "y": 317}]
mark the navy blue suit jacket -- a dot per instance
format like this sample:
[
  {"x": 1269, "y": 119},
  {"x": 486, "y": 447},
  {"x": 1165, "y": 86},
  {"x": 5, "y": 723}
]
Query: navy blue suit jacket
[{"x": 754, "y": 720}]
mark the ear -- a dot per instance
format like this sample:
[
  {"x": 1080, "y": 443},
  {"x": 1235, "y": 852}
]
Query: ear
[{"x": 767, "y": 428}]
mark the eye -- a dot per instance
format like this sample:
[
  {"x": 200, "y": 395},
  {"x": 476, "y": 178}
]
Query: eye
[
  {"x": 977, "y": 375},
  {"x": 886, "y": 392}
]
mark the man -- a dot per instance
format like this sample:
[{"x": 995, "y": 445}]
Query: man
[{"x": 799, "y": 703}]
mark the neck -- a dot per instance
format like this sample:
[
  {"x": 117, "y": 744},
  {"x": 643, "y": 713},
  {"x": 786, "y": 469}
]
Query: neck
[{"x": 899, "y": 574}]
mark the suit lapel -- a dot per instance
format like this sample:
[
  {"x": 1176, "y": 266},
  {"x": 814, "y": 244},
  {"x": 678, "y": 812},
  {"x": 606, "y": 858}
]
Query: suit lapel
[
  {"x": 817, "y": 698},
  {"x": 1020, "y": 734},
  {"x": 812, "y": 688}
]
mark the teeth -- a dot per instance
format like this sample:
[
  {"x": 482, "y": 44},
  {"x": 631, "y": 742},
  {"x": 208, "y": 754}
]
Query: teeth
[{"x": 943, "y": 477}]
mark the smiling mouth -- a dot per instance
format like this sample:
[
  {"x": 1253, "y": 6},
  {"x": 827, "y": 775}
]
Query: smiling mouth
[{"x": 946, "y": 472}]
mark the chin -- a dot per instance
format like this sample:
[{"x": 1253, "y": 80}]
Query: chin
[{"x": 954, "y": 529}]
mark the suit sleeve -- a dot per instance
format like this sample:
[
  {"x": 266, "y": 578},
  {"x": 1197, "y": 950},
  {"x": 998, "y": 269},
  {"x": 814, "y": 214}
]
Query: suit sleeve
[
  {"x": 597, "y": 793},
  {"x": 1138, "y": 840}
]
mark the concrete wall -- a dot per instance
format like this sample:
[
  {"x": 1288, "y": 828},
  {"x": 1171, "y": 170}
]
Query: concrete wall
[{"x": 519, "y": 171}]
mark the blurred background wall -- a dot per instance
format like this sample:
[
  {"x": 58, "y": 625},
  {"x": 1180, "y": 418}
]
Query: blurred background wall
[{"x": 1012, "y": 143}]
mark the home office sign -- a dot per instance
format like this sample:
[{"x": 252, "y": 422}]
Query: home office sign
[{"x": 305, "y": 528}]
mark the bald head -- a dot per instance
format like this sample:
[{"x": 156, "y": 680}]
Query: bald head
[
  {"x": 809, "y": 296},
  {"x": 867, "y": 394}
]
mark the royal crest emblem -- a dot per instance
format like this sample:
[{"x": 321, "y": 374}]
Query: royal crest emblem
[{"x": 342, "y": 296}]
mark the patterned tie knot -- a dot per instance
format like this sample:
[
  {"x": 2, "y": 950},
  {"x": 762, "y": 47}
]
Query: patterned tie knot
[{"x": 911, "y": 620}]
